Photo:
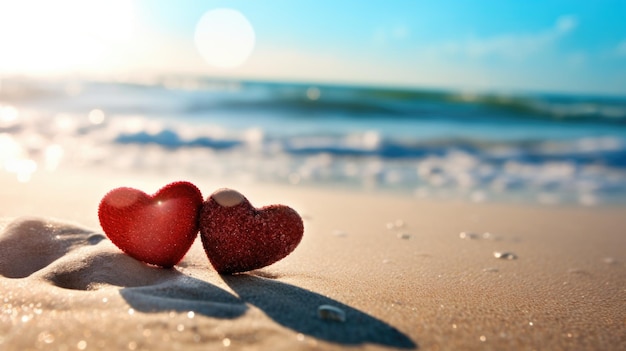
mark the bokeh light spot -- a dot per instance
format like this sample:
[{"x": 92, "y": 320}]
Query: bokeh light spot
[
  {"x": 96, "y": 116},
  {"x": 224, "y": 38}
]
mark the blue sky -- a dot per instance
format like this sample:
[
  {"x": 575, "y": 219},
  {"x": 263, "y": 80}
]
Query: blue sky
[{"x": 559, "y": 46}]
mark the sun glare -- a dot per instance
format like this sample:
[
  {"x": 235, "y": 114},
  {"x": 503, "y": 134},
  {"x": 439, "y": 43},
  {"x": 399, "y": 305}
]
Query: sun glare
[
  {"x": 224, "y": 38},
  {"x": 39, "y": 36}
]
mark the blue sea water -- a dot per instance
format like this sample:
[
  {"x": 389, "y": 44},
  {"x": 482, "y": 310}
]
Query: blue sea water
[{"x": 537, "y": 148}]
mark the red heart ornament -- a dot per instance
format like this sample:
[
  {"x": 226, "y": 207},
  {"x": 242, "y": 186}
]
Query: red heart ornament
[
  {"x": 157, "y": 229},
  {"x": 238, "y": 237}
]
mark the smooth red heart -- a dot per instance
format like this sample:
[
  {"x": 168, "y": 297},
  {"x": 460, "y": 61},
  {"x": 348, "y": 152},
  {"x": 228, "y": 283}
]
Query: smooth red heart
[
  {"x": 157, "y": 229},
  {"x": 238, "y": 237}
]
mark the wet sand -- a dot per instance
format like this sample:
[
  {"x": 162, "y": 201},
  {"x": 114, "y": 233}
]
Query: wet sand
[{"x": 397, "y": 267}]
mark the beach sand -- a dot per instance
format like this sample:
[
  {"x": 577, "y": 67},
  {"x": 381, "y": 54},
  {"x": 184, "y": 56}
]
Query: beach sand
[{"x": 396, "y": 266}]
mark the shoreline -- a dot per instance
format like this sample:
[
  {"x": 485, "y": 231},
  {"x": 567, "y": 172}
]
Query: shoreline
[{"x": 102, "y": 180}]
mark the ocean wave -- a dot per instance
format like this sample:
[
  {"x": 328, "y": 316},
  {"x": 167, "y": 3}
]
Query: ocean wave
[
  {"x": 171, "y": 140},
  {"x": 201, "y": 96},
  {"x": 609, "y": 151},
  {"x": 429, "y": 143},
  {"x": 140, "y": 130},
  {"x": 455, "y": 106}
]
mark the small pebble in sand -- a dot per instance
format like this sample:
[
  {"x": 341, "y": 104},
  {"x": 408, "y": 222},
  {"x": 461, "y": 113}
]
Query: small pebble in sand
[
  {"x": 397, "y": 224},
  {"x": 491, "y": 269},
  {"x": 331, "y": 313},
  {"x": 488, "y": 236},
  {"x": 339, "y": 233},
  {"x": 468, "y": 235},
  {"x": 405, "y": 236},
  {"x": 504, "y": 255},
  {"x": 578, "y": 271},
  {"x": 609, "y": 260}
]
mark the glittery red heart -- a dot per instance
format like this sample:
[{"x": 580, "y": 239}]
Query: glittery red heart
[
  {"x": 238, "y": 237},
  {"x": 157, "y": 229}
]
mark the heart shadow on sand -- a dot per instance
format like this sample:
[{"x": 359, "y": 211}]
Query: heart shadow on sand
[
  {"x": 287, "y": 305},
  {"x": 184, "y": 294},
  {"x": 296, "y": 309}
]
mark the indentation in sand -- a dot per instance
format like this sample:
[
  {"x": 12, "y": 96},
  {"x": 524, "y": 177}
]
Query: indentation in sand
[
  {"x": 92, "y": 269},
  {"x": 30, "y": 244}
]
